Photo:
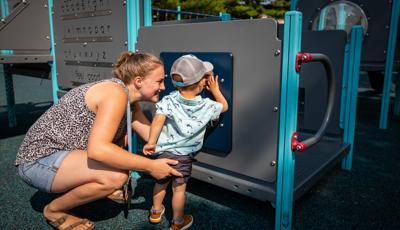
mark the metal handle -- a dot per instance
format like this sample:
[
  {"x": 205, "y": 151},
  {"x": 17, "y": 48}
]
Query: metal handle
[{"x": 316, "y": 57}]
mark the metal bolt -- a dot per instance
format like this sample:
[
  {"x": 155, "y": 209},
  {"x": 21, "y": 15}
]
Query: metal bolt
[
  {"x": 277, "y": 52},
  {"x": 221, "y": 125},
  {"x": 24, "y": 1},
  {"x": 384, "y": 51},
  {"x": 303, "y": 57},
  {"x": 386, "y": 27},
  {"x": 298, "y": 147},
  {"x": 273, "y": 163},
  {"x": 275, "y": 109},
  {"x": 85, "y": 44},
  {"x": 125, "y": 43},
  {"x": 48, "y": 37},
  {"x": 3, "y": 20},
  {"x": 222, "y": 80},
  {"x": 45, "y": 5},
  {"x": 124, "y": 3}
]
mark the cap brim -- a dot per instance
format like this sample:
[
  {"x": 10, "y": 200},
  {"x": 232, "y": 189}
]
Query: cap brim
[{"x": 209, "y": 67}]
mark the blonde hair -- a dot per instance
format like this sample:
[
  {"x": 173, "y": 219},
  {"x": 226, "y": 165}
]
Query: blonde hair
[{"x": 130, "y": 65}]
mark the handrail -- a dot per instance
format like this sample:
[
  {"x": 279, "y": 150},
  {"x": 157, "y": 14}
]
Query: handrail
[{"x": 330, "y": 74}]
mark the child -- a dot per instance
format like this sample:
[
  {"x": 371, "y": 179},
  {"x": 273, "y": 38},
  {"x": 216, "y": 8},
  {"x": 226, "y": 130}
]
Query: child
[{"x": 178, "y": 129}]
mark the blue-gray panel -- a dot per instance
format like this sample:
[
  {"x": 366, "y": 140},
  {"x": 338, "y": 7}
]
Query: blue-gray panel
[{"x": 218, "y": 139}]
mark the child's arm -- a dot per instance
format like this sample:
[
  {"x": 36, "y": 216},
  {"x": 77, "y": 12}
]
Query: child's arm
[
  {"x": 155, "y": 131},
  {"x": 213, "y": 87}
]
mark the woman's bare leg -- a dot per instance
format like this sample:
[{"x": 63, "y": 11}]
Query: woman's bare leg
[{"x": 85, "y": 180}]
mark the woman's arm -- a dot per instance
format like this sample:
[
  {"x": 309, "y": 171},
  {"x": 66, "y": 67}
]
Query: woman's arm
[
  {"x": 111, "y": 107},
  {"x": 140, "y": 123}
]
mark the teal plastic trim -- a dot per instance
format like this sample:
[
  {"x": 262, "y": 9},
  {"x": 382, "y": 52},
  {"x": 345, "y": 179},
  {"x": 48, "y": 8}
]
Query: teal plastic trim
[
  {"x": 345, "y": 89},
  {"x": 321, "y": 23},
  {"x": 342, "y": 17},
  {"x": 224, "y": 16},
  {"x": 394, "y": 20},
  {"x": 288, "y": 120},
  {"x": 147, "y": 13},
  {"x": 53, "y": 64},
  {"x": 133, "y": 17},
  {"x": 4, "y": 8},
  {"x": 354, "y": 60},
  {"x": 178, "y": 15},
  {"x": 293, "y": 5}
]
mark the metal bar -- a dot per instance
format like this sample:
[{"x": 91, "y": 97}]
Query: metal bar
[
  {"x": 288, "y": 120},
  {"x": 53, "y": 64},
  {"x": 353, "y": 78},
  {"x": 147, "y": 13},
  {"x": 178, "y": 15},
  {"x": 293, "y": 5},
  {"x": 394, "y": 20}
]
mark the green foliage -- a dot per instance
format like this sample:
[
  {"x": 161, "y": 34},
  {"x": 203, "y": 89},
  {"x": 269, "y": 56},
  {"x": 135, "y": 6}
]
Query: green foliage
[{"x": 238, "y": 9}]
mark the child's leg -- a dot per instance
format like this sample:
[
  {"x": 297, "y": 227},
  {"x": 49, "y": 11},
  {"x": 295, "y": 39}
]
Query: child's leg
[
  {"x": 159, "y": 192},
  {"x": 178, "y": 200}
]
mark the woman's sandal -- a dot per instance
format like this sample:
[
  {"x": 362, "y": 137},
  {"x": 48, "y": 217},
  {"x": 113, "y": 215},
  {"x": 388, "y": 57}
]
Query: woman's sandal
[
  {"x": 118, "y": 195},
  {"x": 57, "y": 223}
]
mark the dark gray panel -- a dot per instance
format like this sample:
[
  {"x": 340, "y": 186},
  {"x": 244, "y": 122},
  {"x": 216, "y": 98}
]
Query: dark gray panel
[
  {"x": 313, "y": 81},
  {"x": 375, "y": 43},
  {"x": 90, "y": 36},
  {"x": 26, "y": 28},
  {"x": 256, "y": 85}
]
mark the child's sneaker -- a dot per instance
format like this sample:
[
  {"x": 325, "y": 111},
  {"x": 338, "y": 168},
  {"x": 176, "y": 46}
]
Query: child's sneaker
[
  {"x": 186, "y": 223},
  {"x": 156, "y": 215}
]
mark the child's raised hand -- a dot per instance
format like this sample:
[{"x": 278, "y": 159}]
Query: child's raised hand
[
  {"x": 212, "y": 83},
  {"x": 149, "y": 149}
]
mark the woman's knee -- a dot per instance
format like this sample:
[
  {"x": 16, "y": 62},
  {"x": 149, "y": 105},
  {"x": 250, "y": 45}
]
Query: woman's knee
[{"x": 114, "y": 180}]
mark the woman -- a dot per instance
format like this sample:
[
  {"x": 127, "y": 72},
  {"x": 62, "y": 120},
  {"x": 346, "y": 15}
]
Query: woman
[{"x": 72, "y": 148}]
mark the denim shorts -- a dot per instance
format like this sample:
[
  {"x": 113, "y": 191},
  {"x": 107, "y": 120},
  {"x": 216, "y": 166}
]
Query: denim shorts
[{"x": 40, "y": 173}]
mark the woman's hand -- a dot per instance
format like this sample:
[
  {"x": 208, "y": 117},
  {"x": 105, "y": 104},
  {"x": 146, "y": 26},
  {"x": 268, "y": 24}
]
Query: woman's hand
[
  {"x": 149, "y": 149},
  {"x": 161, "y": 168}
]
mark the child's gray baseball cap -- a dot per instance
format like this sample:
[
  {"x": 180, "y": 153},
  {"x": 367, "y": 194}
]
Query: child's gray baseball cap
[{"x": 191, "y": 69}]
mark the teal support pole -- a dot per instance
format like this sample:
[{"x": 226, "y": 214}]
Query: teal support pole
[
  {"x": 394, "y": 20},
  {"x": 353, "y": 73},
  {"x": 342, "y": 17},
  {"x": 133, "y": 17},
  {"x": 178, "y": 16},
  {"x": 54, "y": 82},
  {"x": 321, "y": 23},
  {"x": 224, "y": 16},
  {"x": 8, "y": 81},
  {"x": 147, "y": 13},
  {"x": 293, "y": 5},
  {"x": 288, "y": 120}
]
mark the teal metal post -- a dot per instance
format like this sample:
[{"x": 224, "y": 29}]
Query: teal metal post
[
  {"x": 53, "y": 64},
  {"x": 178, "y": 15},
  {"x": 147, "y": 13},
  {"x": 394, "y": 20},
  {"x": 352, "y": 72},
  {"x": 293, "y": 5},
  {"x": 133, "y": 17},
  {"x": 8, "y": 81},
  {"x": 321, "y": 23},
  {"x": 224, "y": 16},
  {"x": 288, "y": 120}
]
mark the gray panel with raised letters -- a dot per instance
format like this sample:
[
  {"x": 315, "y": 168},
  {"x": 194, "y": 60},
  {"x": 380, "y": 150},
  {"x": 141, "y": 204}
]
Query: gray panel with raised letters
[{"x": 89, "y": 37}]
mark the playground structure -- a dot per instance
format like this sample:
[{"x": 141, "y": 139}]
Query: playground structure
[
  {"x": 255, "y": 148},
  {"x": 381, "y": 54}
]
